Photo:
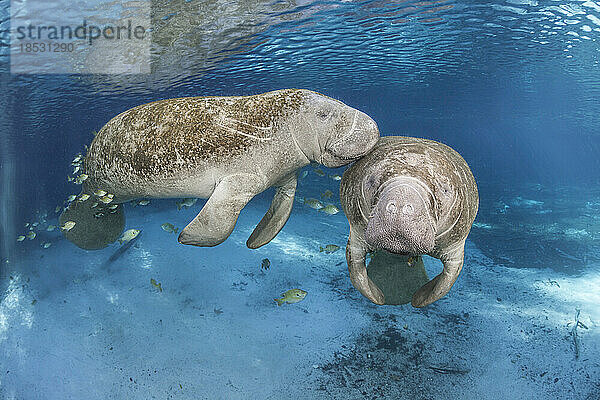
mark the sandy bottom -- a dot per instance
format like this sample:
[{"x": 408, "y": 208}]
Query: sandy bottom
[{"x": 89, "y": 325}]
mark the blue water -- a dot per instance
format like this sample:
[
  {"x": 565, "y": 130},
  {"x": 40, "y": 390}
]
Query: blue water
[{"x": 513, "y": 86}]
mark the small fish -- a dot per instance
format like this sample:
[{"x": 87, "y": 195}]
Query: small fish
[
  {"x": 35, "y": 224},
  {"x": 319, "y": 172},
  {"x": 94, "y": 133},
  {"x": 335, "y": 177},
  {"x": 20, "y": 238},
  {"x": 46, "y": 245},
  {"x": 67, "y": 226},
  {"x": 110, "y": 195},
  {"x": 144, "y": 202},
  {"x": 291, "y": 296},
  {"x": 98, "y": 214},
  {"x": 167, "y": 227},
  {"x": 313, "y": 203},
  {"x": 113, "y": 207},
  {"x": 330, "y": 209},
  {"x": 33, "y": 302},
  {"x": 81, "y": 178},
  {"x": 156, "y": 285},
  {"x": 100, "y": 192},
  {"x": 84, "y": 197},
  {"x": 186, "y": 203},
  {"x": 70, "y": 179},
  {"x": 71, "y": 198},
  {"x": 31, "y": 235},
  {"x": 304, "y": 174},
  {"x": 77, "y": 159},
  {"x": 50, "y": 228},
  {"x": 129, "y": 235},
  {"x": 327, "y": 194},
  {"x": 26, "y": 224},
  {"x": 76, "y": 169},
  {"x": 95, "y": 204},
  {"x": 57, "y": 209},
  {"x": 106, "y": 199},
  {"x": 218, "y": 311},
  {"x": 265, "y": 264},
  {"x": 410, "y": 261},
  {"x": 330, "y": 248}
]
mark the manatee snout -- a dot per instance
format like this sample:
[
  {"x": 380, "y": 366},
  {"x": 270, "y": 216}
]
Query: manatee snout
[
  {"x": 400, "y": 222},
  {"x": 352, "y": 141}
]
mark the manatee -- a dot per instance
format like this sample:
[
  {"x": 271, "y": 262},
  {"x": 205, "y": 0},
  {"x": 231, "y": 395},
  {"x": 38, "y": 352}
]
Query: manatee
[
  {"x": 226, "y": 149},
  {"x": 409, "y": 196}
]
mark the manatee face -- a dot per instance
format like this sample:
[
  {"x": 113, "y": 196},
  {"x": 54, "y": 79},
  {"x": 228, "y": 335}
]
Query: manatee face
[
  {"x": 400, "y": 222},
  {"x": 89, "y": 232},
  {"x": 344, "y": 133}
]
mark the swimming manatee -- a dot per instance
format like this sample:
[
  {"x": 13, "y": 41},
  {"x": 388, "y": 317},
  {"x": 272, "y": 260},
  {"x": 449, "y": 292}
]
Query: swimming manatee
[
  {"x": 409, "y": 196},
  {"x": 226, "y": 149}
]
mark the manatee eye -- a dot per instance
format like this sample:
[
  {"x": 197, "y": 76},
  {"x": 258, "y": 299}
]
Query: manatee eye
[
  {"x": 391, "y": 207},
  {"x": 408, "y": 209},
  {"x": 323, "y": 114}
]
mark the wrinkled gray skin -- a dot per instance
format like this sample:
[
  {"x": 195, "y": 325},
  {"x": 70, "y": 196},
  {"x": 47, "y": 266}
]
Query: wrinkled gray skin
[
  {"x": 226, "y": 149},
  {"x": 409, "y": 196}
]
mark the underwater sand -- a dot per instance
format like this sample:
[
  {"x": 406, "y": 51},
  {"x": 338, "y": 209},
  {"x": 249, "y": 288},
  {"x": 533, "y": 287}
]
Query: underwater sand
[{"x": 100, "y": 330}]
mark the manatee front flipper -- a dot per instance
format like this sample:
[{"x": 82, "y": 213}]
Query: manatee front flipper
[
  {"x": 278, "y": 214},
  {"x": 356, "y": 251},
  {"x": 216, "y": 220},
  {"x": 439, "y": 286}
]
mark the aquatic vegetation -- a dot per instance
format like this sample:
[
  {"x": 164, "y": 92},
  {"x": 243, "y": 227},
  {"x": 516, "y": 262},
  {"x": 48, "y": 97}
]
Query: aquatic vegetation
[
  {"x": 265, "y": 264},
  {"x": 156, "y": 285}
]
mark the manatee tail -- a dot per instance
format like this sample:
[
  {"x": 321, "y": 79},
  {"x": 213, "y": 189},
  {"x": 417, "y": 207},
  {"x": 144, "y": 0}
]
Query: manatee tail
[{"x": 91, "y": 232}]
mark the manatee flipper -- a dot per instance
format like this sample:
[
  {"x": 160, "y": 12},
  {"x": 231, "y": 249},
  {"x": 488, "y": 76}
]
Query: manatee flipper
[
  {"x": 278, "y": 214},
  {"x": 356, "y": 251},
  {"x": 215, "y": 222},
  {"x": 439, "y": 286}
]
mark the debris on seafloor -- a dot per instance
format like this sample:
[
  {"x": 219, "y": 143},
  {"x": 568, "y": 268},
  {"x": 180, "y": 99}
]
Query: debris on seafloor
[{"x": 446, "y": 371}]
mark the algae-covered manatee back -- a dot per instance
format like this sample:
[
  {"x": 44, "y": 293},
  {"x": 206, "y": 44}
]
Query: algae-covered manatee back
[
  {"x": 91, "y": 232},
  {"x": 396, "y": 276}
]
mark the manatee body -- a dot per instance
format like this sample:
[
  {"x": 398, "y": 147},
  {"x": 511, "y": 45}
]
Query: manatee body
[
  {"x": 409, "y": 196},
  {"x": 226, "y": 149}
]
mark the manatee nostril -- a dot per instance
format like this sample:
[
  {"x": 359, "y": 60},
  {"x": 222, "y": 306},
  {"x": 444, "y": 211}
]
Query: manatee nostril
[
  {"x": 391, "y": 207},
  {"x": 408, "y": 209}
]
